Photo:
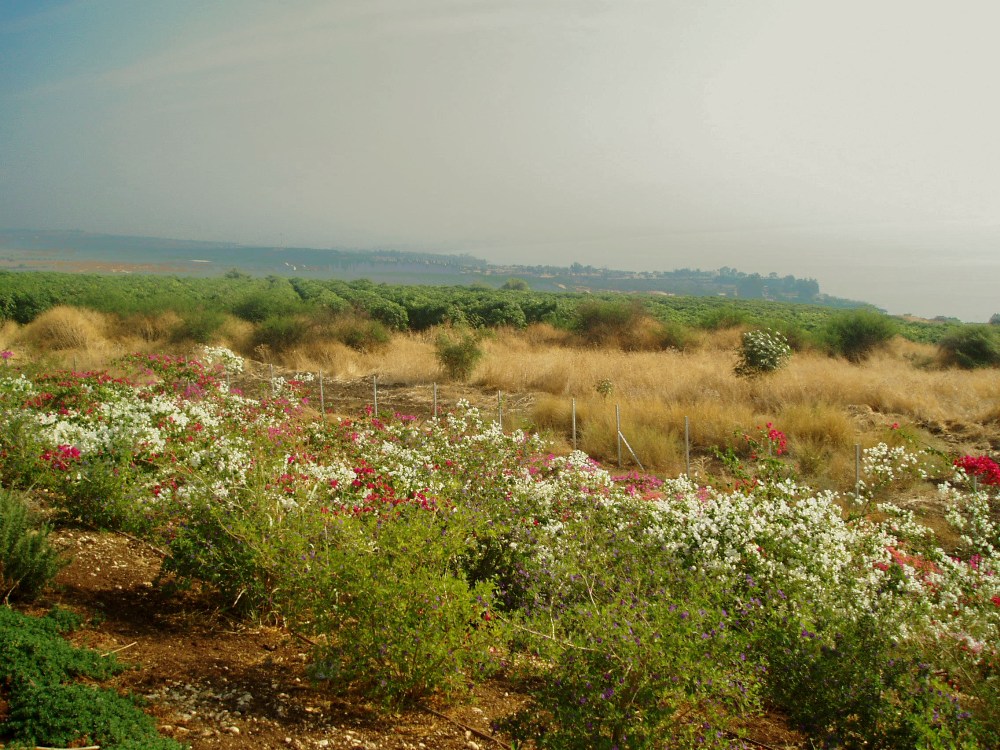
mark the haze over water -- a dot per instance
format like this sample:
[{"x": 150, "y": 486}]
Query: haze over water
[{"x": 853, "y": 142}]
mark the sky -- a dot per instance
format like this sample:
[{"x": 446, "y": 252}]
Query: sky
[{"x": 856, "y": 142}]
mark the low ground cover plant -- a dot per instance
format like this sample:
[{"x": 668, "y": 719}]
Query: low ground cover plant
[
  {"x": 421, "y": 557},
  {"x": 47, "y": 702}
]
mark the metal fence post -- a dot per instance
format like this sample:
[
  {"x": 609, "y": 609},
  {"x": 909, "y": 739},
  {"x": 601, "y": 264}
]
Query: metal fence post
[
  {"x": 574, "y": 424},
  {"x": 618, "y": 431},
  {"x": 687, "y": 447},
  {"x": 857, "y": 472},
  {"x": 322, "y": 396}
]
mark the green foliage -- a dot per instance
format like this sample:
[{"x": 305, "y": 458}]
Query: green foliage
[
  {"x": 458, "y": 353},
  {"x": 607, "y": 321},
  {"x": 360, "y": 333},
  {"x": 722, "y": 318},
  {"x": 377, "y": 307},
  {"x": 28, "y": 562},
  {"x": 635, "y": 650},
  {"x": 202, "y": 303},
  {"x": 19, "y": 450},
  {"x": 103, "y": 494},
  {"x": 761, "y": 352},
  {"x": 227, "y": 546},
  {"x": 848, "y": 684},
  {"x": 38, "y": 669},
  {"x": 407, "y": 622},
  {"x": 200, "y": 325},
  {"x": 516, "y": 285},
  {"x": 281, "y": 333},
  {"x": 858, "y": 333},
  {"x": 971, "y": 346}
]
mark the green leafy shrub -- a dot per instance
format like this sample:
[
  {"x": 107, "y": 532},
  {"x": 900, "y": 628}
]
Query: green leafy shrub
[
  {"x": 607, "y": 321},
  {"x": 38, "y": 669},
  {"x": 280, "y": 333},
  {"x": 629, "y": 659},
  {"x": 226, "y": 546},
  {"x": 28, "y": 561},
  {"x": 858, "y": 333},
  {"x": 458, "y": 354},
  {"x": 851, "y": 686},
  {"x": 971, "y": 346},
  {"x": 19, "y": 449},
  {"x": 360, "y": 333},
  {"x": 762, "y": 351},
  {"x": 407, "y": 623},
  {"x": 199, "y": 325}
]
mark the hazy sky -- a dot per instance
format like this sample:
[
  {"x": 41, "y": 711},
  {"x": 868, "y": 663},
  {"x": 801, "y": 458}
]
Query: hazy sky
[{"x": 857, "y": 142}]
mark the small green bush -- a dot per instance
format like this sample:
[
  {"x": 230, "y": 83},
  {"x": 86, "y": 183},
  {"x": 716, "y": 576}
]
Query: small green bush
[
  {"x": 858, "y": 333},
  {"x": 281, "y": 333},
  {"x": 361, "y": 333},
  {"x": 28, "y": 561},
  {"x": 19, "y": 450},
  {"x": 407, "y": 623},
  {"x": 971, "y": 346},
  {"x": 226, "y": 547},
  {"x": 850, "y": 686},
  {"x": 458, "y": 355},
  {"x": 200, "y": 326},
  {"x": 762, "y": 351},
  {"x": 607, "y": 321}
]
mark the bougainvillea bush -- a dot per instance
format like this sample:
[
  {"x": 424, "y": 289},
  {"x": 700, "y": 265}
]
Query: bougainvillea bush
[{"x": 421, "y": 557}]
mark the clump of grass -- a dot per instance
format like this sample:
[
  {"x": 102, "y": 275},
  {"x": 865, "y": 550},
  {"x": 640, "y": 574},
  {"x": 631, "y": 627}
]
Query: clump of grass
[{"x": 63, "y": 328}]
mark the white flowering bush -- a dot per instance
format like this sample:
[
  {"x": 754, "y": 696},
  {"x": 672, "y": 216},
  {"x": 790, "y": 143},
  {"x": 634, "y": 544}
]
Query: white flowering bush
[{"x": 762, "y": 351}]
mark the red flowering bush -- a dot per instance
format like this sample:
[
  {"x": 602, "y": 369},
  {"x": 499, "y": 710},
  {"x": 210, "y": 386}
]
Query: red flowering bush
[
  {"x": 984, "y": 468},
  {"x": 61, "y": 457}
]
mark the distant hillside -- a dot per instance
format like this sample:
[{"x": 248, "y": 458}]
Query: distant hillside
[{"x": 28, "y": 250}]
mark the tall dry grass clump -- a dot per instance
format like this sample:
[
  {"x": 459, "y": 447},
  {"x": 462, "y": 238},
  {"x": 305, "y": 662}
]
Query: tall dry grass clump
[
  {"x": 63, "y": 328},
  {"x": 407, "y": 359},
  {"x": 8, "y": 333}
]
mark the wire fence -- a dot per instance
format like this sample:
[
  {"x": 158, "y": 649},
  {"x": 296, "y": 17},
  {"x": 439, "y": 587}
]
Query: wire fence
[{"x": 428, "y": 401}]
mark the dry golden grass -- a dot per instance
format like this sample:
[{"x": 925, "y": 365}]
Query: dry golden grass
[
  {"x": 63, "y": 328},
  {"x": 8, "y": 334},
  {"x": 408, "y": 359},
  {"x": 151, "y": 328}
]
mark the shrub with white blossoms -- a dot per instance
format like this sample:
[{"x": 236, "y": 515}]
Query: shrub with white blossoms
[
  {"x": 885, "y": 467},
  {"x": 762, "y": 351},
  {"x": 231, "y": 362}
]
